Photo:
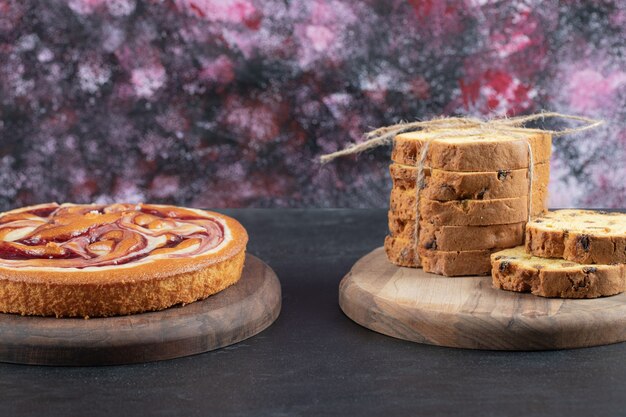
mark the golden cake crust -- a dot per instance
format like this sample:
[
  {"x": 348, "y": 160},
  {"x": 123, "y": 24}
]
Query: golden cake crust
[{"x": 153, "y": 282}]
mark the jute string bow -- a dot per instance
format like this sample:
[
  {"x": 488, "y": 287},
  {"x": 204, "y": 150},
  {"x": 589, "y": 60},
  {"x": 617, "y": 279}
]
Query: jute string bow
[{"x": 461, "y": 127}]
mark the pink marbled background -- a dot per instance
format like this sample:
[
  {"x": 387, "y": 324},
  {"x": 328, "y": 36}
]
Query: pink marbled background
[{"x": 227, "y": 103}]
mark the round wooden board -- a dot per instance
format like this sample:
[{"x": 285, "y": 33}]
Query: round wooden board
[
  {"x": 235, "y": 314},
  {"x": 466, "y": 312}
]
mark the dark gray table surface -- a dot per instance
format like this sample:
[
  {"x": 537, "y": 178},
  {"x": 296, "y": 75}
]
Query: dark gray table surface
[{"x": 315, "y": 361}]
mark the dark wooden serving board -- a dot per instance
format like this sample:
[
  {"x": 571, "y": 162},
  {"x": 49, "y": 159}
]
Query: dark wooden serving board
[
  {"x": 235, "y": 314},
  {"x": 467, "y": 312}
]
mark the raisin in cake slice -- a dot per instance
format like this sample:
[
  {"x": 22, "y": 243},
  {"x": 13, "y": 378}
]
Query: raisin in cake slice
[
  {"x": 583, "y": 236},
  {"x": 515, "y": 270}
]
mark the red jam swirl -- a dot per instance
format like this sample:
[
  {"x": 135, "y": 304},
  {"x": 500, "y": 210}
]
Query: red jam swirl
[{"x": 80, "y": 236}]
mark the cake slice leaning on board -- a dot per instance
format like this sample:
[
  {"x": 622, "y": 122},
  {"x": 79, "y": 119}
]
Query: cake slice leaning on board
[
  {"x": 475, "y": 188},
  {"x": 568, "y": 254}
]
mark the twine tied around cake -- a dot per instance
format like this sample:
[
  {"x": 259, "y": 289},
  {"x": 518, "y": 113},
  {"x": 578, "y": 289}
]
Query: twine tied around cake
[{"x": 457, "y": 127}]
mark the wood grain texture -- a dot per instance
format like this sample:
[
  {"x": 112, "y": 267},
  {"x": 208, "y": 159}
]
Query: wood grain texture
[
  {"x": 467, "y": 312},
  {"x": 235, "y": 314}
]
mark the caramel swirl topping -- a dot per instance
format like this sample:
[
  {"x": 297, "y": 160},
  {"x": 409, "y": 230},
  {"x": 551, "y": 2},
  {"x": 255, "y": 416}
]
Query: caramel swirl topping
[{"x": 80, "y": 236}]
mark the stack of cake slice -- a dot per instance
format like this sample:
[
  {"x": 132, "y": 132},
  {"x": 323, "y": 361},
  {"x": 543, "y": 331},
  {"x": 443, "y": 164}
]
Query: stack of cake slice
[
  {"x": 474, "y": 200},
  {"x": 568, "y": 254}
]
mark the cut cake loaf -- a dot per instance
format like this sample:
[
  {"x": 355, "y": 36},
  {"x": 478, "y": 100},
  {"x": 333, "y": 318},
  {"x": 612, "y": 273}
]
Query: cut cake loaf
[
  {"x": 583, "y": 236},
  {"x": 515, "y": 270},
  {"x": 474, "y": 201}
]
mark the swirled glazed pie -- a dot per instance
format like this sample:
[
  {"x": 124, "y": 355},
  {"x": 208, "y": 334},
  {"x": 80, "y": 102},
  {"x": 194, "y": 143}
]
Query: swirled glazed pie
[{"x": 96, "y": 260}]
